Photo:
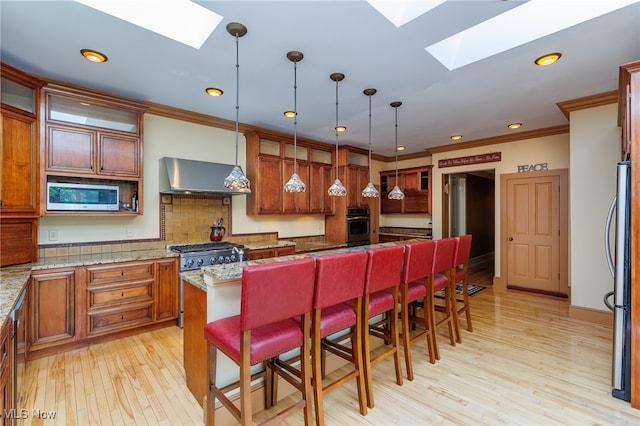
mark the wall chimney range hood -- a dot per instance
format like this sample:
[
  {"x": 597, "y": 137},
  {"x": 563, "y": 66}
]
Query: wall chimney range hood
[{"x": 182, "y": 176}]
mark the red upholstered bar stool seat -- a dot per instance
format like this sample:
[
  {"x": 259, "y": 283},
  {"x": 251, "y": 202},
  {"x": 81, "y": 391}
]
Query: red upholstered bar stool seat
[
  {"x": 418, "y": 264},
  {"x": 384, "y": 269},
  {"x": 337, "y": 307},
  {"x": 272, "y": 296},
  {"x": 461, "y": 271},
  {"x": 442, "y": 280}
]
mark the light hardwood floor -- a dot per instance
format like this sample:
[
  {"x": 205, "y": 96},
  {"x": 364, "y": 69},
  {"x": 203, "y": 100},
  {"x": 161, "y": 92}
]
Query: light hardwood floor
[{"x": 525, "y": 363}]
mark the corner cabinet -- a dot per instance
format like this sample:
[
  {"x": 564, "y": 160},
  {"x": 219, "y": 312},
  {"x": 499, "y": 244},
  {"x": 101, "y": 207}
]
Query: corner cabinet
[
  {"x": 416, "y": 185},
  {"x": 270, "y": 164},
  {"x": 91, "y": 138},
  {"x": 19, "y": 167}
]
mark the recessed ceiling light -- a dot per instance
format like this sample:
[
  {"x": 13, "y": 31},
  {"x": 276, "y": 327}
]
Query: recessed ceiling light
[
  {"x": 514, "y": 125},
  {"x": 456, "y": 137},
  {"x": 548, "y": 59},
  {"x": 290, "y": 114},
  {"x": 341, "y": 128},
  {"x": 94, "y": 56},
  {"x": 401, "y": 148},
  {"x": 213, "y": 91},
  {"x": 181, "y": 20}
]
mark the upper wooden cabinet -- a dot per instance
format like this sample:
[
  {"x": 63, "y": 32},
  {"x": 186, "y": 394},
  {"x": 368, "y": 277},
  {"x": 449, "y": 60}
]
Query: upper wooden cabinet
[
  {"x": 416, "y": 185},
  {"x": 92, "y": 138},
  {"x": 357, "y": 176},
  {"x": 19, "y": 167},
  {"x": 270, "y": 164},
  {"x": 628, "y": 93},
  {"x": 19, "y": 145}
]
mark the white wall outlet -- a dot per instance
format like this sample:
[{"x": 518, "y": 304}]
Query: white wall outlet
[
  {"x": 53, "y": 235},
  {"x": 129, "y": 232}
]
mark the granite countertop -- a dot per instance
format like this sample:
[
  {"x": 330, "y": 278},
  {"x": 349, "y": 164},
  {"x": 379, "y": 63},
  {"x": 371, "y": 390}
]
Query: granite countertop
[
  {"x": 401, "y": 231},
  {"x": 317, "y": 246},
  {"x": 233, "y": 271},
  {"x": 14, "y": 278},
  {"x": 268, "y": 244}
]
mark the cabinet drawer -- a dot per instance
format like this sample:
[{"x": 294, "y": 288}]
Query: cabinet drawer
[
  {"x": 111, "y": 319},
  {"x": 103, "y": 274},
  {"x": 101, "y": 296}
]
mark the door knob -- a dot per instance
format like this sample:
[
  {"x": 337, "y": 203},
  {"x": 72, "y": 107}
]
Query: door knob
[{"x": 510, "y": 238}]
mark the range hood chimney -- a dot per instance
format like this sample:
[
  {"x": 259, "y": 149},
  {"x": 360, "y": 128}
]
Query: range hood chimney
[{"x": 181, "y": 176}]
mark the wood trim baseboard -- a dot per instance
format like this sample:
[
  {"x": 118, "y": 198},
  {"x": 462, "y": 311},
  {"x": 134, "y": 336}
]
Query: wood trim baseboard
[{"x": 595, "y": 316}]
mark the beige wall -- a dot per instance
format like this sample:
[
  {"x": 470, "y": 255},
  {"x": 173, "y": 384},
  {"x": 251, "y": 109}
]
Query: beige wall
[{"x": 595, "y": 150}]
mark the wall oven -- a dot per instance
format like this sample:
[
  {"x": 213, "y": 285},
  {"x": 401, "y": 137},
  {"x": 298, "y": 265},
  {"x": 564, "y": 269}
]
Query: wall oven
[{"x": 357, "y": 227}]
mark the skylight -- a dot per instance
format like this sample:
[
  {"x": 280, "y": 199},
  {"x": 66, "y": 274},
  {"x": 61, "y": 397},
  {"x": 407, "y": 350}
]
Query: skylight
[
  {"x": 180, "y": 20},
  {"x": 399, "y": 12},
  {"x": 530, "y": 21}
]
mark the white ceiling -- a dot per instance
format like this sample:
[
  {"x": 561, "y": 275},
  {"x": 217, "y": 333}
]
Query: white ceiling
[{"x": 477, "y": 100}]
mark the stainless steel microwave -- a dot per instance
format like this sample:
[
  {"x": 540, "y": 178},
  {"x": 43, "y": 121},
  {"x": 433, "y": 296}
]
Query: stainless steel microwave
[{"x": 82, "y": 197}]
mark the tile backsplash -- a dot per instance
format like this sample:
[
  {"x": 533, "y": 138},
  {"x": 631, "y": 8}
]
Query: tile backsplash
[{"x": 189, "y": 218}]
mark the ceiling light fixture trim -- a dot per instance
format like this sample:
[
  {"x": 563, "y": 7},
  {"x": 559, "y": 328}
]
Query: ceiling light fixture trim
[{"x": 94, "y": 56}]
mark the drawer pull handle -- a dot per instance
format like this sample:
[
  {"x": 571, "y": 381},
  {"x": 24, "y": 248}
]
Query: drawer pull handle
[
  {"x": 123, "y": 294},
  {"x": 122, "y": 317}
]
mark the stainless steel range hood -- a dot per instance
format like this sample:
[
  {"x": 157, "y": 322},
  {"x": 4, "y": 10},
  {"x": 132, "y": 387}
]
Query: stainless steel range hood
[{"x": 181, "y": 176}]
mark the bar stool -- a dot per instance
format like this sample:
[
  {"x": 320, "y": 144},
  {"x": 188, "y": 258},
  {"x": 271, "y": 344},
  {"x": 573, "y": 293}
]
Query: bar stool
[
  {"x": 337, "y": 306},
  {"x": 272, "y": 295},
  {"x": 384, "y": 268},
  {"x": 418, "y": 264},
  {"x": 461, "y": 271},
  {"x": 442, "y": 279}
]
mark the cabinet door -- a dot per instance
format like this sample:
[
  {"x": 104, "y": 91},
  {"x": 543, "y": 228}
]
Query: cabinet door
[
  {"x": 70, "y": 150},
  {"x": 18, "y": 165},
  {"x": 320, "y": 179},
  {"x": 52, "y": 308},
  {"x": 363, "y": 180},
  {"x": 270, "y": 188},
  {"x": 166, "y": 295},
  {"x": 261, "y": 253},
  {"x": 296, "y": 202},
  {"x": 416, "y": 202},
  {"x": 119, "y": 155},
  {"x": 353, "y": 186}
]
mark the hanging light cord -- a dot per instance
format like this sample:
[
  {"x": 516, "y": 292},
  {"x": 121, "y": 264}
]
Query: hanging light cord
[
  {"x": 237, "y": 92},
  {"x": 336, "y": 129},
  {"x": 295, "y": 117},
  {"x": 396, "y": 109},
  {"x": 370, "y": 138}
]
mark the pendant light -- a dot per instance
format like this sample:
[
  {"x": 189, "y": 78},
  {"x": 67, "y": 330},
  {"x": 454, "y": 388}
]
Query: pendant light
[
  {"x": 236, "y": 180},
  {"x": 337, "y": 189},
  {"x": 396, "y": 193},
  {"x": 295, "y": 184},
  {"x": 370, "y": 191}
]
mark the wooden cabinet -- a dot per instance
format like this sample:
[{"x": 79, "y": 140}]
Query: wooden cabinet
[
  {"x": 416, "y": 185},
  {"x": 119, "y": 296},
  {"x": 93, "y": 139},
  {"x": 53, "y": 320},
  {"x": 357, "y": 177},
  {"x": 6, "y": 384},
  {"x": 270, "y": 164},
  {"x": 68, "y": 307},
  {"x": 264, "y": 253},
  {"x": 19, "y": 167},
  {"x": 166, "y": 296}
]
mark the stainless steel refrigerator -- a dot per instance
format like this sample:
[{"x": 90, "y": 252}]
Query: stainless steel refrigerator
[{"x": 619, "y": 263}]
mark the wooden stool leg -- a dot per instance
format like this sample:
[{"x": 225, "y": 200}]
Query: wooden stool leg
[{"x": 212, "y": 354}]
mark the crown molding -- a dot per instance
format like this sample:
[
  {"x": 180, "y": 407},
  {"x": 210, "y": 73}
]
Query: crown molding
[{"x": 588, "y": 102}]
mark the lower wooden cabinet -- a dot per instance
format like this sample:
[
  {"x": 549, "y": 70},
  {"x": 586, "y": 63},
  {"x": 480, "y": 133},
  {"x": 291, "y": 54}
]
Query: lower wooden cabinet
[
  {"x": 265, "y": 253},
  {"x": 71, "y": 306},
  {"x": 52, "y": 305}
]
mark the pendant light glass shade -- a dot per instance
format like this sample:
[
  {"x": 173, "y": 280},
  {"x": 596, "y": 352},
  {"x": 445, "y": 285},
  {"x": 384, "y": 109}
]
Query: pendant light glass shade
[
  {"x": 370, "y": 191},
  {"x": 396, "y": 193},
  {"x": 337, "y": 189},
  {"x": 295, "y": 184},
  {"x": 236, "y": 180}
]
